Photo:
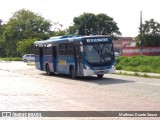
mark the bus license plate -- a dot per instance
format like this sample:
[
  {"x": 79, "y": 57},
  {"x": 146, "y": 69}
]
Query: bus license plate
[{"x": 101, "y": 72}]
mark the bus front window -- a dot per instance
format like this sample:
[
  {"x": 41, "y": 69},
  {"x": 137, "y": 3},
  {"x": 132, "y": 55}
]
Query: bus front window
[{"x": 98, "y": 53}]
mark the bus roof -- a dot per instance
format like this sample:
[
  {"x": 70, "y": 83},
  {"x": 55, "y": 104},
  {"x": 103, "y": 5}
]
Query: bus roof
[{"x": 59, "y": 39}]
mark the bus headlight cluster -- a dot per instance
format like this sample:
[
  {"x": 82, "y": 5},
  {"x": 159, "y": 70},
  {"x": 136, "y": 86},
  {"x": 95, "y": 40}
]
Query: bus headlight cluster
[
  {"x": 113, "y": 66},
  {"x": 86, "y": 67}
]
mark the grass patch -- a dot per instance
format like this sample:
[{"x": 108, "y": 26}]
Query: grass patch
[
  {"x": 11, "y": 59},
  {"x": 139, "y": 64}
]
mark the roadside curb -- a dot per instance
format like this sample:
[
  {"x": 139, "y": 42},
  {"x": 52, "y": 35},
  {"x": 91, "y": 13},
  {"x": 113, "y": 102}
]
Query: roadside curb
[{"x": 142, "y": 74}]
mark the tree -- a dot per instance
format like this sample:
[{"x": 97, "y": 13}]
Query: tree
[
  {"x": 150, "y": 34},
  {"x": 85, "y": 23},
  {"x": 72, "y": 30},
  {"x": 26, "y": 46},
  {"x": 31, "y": 24},
  {"x": 89, "y": 23},
  {"x": 24, "y": 25},
  {"x": 2, "y": 43},
  {"x": 59, "y": 33},
  {"x": 106, "y": 25},
  {"x": 151, "y": 27}
]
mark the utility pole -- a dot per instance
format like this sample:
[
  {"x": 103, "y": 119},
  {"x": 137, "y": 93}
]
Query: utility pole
[{"x": 141, "y": 53}]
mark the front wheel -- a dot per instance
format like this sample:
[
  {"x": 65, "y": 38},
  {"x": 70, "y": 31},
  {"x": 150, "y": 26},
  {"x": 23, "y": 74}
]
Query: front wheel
[{"x": 100, "y": 76}]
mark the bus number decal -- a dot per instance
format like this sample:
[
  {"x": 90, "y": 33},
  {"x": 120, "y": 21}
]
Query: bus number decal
[{"x": 62, "y": 62}]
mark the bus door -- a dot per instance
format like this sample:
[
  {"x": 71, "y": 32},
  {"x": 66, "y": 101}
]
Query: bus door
[
  {"x": 55, "y": 58},
  {"x": 78, "y": 60},
  {"x": 41, "y": 57}
]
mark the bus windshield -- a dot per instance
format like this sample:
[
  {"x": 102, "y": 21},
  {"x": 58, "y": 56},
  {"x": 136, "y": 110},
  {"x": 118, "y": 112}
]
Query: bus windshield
[{"x": 100, "y": 53}]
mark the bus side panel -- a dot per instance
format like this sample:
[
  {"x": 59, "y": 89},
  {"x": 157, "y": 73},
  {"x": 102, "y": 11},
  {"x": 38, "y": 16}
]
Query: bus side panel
[
  {"x": 54, "y": 56},
  {"x": 70, "y": 61},
  {"x": 48, "y": 60},
  {"x": 78, "y": 60},
  {"x": 37, "y": 63},
  {"x": 63, "y": 64},
  {"x": 55, "y": 64},
  {"x": 39, "y": 58}
]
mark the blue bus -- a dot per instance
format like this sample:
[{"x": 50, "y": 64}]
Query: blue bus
[{"x": 76, "y": 56}]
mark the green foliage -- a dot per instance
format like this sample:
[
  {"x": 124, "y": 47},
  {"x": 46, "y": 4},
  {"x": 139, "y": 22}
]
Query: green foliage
[
  {"x": 59, "y": 33},
  {"x": 150, "y": 34},
  {"x": 11, "y": 59},
  {"x": 106, "y": 25},
  {"x": 23, "y": 25},
  {"x": 139, "y": 64},
  {"x": 151, "y": 27},
  {"x": 29, "y": 24},
  {"x": 89, "y": 23},
  {"x": 26, "y": 46},
  {"x": 72, "y": 29},
  {"x": 2, "y": 42}
]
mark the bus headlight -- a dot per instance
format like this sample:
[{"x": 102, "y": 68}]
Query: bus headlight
[
  {"x": 86, "y": 67},
  {"x": 113, "y": 66}
]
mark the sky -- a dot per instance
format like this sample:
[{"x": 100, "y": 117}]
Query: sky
[{"x": 126, "y": 13}]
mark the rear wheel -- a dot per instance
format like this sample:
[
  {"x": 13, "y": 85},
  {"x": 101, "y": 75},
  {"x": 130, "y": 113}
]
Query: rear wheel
[
  {"x": 72, "y": 73},
  {"x": 100, "y": 76},
  {"x": 25, "y": 60},
  {"x": 48, "y": 70}
]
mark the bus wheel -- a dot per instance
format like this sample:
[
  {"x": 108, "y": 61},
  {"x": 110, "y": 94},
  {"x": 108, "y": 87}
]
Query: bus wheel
[
  {"x": 72, "y": 73},
  {"x": 100, "y": 76},
  {"x": 24, "y": 60},
  {"x": 48, "y": 70}
]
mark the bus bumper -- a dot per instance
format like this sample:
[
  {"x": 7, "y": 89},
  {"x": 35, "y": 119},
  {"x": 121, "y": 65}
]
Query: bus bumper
[{"x": 98, "y": 72}]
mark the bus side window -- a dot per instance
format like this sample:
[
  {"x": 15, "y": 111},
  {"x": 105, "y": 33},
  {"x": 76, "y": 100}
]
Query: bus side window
[
  {"x": 45, "y": 50},
  {"x": 70, "y": 49},
  {"x": 62, "y": 49},
  {"x": 54, "y": 52},
  {"x": 36, "y": 50}
]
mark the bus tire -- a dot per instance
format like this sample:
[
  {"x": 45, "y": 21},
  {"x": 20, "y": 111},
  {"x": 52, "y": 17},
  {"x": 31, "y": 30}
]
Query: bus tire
[
  {"x": 48, "y": 70},
  {"x": 100, "y": 76},
  {"x": 25, "y": 60},
  {"x": 72, "y": 73}
]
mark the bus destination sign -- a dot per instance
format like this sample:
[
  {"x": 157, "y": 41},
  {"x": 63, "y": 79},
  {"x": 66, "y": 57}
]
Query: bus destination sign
[{"x": 95, "y": 40}]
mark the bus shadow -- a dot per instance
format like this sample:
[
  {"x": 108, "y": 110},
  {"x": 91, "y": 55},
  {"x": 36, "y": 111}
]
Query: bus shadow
[
  {"x": 92, "y": 79},
  {"x": 103, "y": 81}
]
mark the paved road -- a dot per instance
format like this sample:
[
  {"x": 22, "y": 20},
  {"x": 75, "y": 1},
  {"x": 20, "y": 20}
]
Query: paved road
[{"x": 25, "y": 88}]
